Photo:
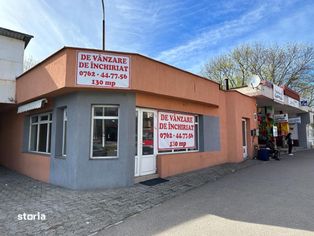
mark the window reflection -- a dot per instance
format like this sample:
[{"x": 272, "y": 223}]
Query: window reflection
[{"x": 105, "y": 132}]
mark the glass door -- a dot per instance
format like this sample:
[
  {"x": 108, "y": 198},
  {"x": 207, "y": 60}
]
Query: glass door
[{"x": 146, "y": 134}]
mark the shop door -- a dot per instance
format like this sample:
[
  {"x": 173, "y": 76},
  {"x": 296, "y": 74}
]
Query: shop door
[
  {"x": 145, "y": 141},
  {"x": 244, "y": 138}
]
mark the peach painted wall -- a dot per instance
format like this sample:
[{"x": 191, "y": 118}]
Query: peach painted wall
[
  {"x": 232, "y": 108},
  {"x": 48, "y": 76},
  {"x": 239, "y": 106},
  {"x": 166, "y": 103},
  {"x": 12, "y": 157},
  {"x": 147, "y": 75},
  {"x": 158, "y": 78},
  {"x": 172, "y": 164}
]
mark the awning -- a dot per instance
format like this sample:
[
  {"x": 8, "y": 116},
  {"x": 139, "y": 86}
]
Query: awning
[{"x": 32, "y": 105}]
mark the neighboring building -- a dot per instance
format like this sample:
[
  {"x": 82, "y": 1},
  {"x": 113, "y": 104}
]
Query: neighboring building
[
  {"x": 307, "y": 131},
  {"x": 12, "y": 45},
  {"x": 280, "y": 112},
  {"x": 94, "y": 119}
]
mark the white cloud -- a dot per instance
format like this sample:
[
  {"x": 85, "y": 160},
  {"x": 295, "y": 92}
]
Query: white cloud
[
  {"x": 52, "y": 27},
  {"x": 249, "y": 27},
  {"x": 183, "y": 33},
  {"x": 212, "y": 37}
]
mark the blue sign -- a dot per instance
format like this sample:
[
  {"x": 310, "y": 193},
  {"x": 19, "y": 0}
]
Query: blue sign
[{"x": 303, "y": 103}]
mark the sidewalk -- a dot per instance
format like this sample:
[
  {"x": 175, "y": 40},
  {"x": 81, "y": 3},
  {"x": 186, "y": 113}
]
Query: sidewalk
[
  {"x": 88, "y": 212},
  {"x": 273, "y": 198}
]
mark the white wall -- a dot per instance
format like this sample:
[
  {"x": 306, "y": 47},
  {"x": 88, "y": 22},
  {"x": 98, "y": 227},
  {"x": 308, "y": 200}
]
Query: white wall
[
  {"x": 11, "y": 65},
  {"x": 7, "y": 91},
  {"x": 260, "y": 90}
]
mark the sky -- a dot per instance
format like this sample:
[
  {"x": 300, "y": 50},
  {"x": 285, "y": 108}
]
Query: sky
[{"x": 182, "y": 33}]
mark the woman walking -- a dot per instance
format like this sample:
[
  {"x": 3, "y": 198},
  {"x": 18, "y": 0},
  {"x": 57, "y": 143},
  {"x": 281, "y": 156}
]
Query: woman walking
[{"x": 289, "y": 141}]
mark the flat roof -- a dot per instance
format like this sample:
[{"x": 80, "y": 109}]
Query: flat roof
[{"x": 16, "y": 35}]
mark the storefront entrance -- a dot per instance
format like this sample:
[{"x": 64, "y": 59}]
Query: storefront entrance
[
  {"x": 244, "y": 138},
  {"x": 146, "y": 142}
]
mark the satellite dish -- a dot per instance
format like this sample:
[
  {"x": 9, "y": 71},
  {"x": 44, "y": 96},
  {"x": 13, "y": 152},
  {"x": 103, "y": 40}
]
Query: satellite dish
[{"x": 254, "y": 81}]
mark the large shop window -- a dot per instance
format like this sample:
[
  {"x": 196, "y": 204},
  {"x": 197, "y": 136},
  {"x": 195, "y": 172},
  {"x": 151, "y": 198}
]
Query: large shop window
[
  {"x": 40, "y": 133},
  {"x": 105, "y": 121},
  {"x": 196, "y": 139}
]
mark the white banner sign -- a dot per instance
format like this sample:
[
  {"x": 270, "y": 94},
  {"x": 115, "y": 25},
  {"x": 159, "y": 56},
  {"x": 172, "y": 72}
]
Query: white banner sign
[
  {"x": 103, "y": 70},
  {"x": 293, "y": 102},
  {"x": 279, "y": 118},
  {"x": 278, "y": 94},
  {"x": 295, "y": 120},
  {"x": 175, "y": 131}
]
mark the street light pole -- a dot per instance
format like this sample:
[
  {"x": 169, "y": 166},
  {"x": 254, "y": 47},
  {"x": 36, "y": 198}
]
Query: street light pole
[{"x": 103, "y": 24}]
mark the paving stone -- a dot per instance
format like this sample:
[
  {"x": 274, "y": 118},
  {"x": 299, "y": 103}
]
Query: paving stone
[{"x": 70, "y": 212}]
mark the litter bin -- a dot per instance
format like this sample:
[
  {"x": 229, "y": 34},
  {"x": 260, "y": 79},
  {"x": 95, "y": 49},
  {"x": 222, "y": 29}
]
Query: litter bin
[{"x": 263, "y": 154}]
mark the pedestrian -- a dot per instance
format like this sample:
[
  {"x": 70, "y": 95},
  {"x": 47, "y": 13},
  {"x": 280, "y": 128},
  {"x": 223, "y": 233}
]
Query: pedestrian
[
  {"x": 289, "y": 141},
  {"x": 273, "y": 151}
]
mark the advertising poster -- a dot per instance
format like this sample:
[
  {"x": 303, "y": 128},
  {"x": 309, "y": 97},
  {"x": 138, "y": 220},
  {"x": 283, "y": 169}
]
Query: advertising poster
[
  {"x": 102, "y": 70},
  {"x": 175, "y": 131}
]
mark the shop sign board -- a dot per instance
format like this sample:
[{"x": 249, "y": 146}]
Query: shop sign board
[
  {"x": 303, "y": 103},
  {"x": 278, "y": 94},
  {"x": 102, "y": 70},
  {"x": 293, "y": 102},
  {"x": 294, "y": 120},
  {"x": 175, "y": 131},
  {"x": 280, "y": 118}
]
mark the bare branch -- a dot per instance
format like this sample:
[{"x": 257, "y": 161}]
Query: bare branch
[{"x": 291, "y": 65}]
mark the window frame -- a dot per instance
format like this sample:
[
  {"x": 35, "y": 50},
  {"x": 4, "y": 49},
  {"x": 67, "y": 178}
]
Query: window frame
[
  {"x": 64, "y": 132},
  {"x": 38, "y": 123},
  {"x": 187, "y": 150},
  {"x": 92, "y": 130}
]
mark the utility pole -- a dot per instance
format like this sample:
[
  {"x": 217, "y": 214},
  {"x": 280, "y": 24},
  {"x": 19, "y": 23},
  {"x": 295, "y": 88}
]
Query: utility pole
[{"x": 103, "y": 24}]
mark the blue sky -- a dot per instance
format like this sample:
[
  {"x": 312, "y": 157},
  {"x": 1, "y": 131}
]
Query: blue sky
[{"x": 183, "y": 33}]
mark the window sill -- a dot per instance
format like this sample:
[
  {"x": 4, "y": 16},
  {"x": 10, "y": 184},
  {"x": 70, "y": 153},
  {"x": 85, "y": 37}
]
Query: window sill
[
  {"x": 167, "y": 153},
  {"x": 103, "y": 158},
  {"x": 39, "y": 153}
]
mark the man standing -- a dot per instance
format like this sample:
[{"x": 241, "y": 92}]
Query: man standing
[{"x": 289, "y": 141}]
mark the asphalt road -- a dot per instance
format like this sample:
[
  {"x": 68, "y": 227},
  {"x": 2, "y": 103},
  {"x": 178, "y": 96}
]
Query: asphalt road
[{"x": 274, "y": 198}]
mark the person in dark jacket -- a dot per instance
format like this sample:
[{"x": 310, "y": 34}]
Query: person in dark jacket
[
  {"x": 289, "y": 141},
  {"x": 273, "y": 151}
]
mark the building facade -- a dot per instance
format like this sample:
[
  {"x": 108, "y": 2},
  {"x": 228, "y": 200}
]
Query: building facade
[
  {"x": 279, "y": 112},
  {"x": 12, "y": 46},
  {"x": 87, "y": 119}
]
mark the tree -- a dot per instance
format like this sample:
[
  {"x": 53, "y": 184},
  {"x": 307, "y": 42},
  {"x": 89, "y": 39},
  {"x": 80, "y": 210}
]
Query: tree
[
  {"x": 291, "y": 65},
  {"x": 29, "y": 62}
]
